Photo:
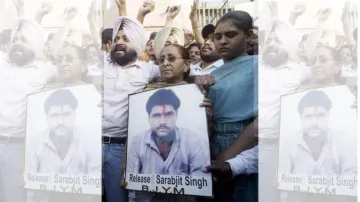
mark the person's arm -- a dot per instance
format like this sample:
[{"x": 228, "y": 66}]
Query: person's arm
[
  {"x": 195, "y": 23},
  {"x": 94, "y": 29},
  {"x": 297, "y": 11},
  {"x": 147, "y": 7},
  {"x": 346, "y": 25},
  {"x": 171, "y": 14},
  {"x": 245, "y": 141},
  {"x": 45, "y": 9},
  {"x": 245, "y": 163},
  {"x": 274, "y": 9},
  {"x": 19, "y": 5},
  {"x": 121, "y": 5}
]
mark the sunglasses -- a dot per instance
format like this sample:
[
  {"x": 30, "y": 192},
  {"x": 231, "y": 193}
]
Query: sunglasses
[
  {"x": 170, "y": 59},
  {"x": 67, "y": 58}
]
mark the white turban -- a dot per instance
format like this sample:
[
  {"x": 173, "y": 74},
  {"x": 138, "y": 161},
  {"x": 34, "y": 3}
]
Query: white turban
[
  {"x": 133, "y": 30},
  {"x": 32, "y": 31},
  {"x": 163, "y": 35},
  {"x": 287, "y": 35}
]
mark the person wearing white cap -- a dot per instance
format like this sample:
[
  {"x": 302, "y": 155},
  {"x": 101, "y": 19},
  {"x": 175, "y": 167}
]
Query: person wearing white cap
[
  {"x": 20, "y": 74},
  {"x": 124, "y": 74}
]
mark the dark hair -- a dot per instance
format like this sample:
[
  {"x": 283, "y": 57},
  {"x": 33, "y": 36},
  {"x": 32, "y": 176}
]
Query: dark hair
[
  {"x": 92, "y": 45},
  {"x": 304, "y": 37},
  {"x": 5, "y": 36},
  {"x": 334, "y": 53},
  {"x": 184, "y": 54},
  {"x": 241, "y": 20},
  {"x": 61, "y": 97},
  {"x": 81, "y": 53},
  {"x": 163, "y": 97},
  {"x": 106, "y": 35},
  {"x": 198, "y": 45},
  {"x": 314, "y": 98},
  {"x": 344, "y": 47},
  {"x": 152, "y": 36}
]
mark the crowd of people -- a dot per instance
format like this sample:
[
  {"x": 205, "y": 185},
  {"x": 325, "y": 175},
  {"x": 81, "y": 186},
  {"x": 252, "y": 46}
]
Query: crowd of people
[{"x": 223, "y": 61}]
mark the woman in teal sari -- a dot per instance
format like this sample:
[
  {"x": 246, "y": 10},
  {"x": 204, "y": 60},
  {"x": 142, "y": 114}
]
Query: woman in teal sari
[{"x": 232, "y": 90}]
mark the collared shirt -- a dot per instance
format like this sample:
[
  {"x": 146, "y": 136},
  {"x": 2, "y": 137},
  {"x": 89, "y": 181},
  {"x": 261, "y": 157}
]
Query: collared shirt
[
  {"x": 245, "y": 163},
  {"x": 15, "y": 84},
  {"x": 80, "y": 159},
  {"x": 330, "y": 162},
  {"x": 197, "y": 70},
  {"x": 188, "y": 155},
  {"x": 348, "y": 71},
  {"x": 119, "y": 82},
  {"x": 274, "y": 83}
]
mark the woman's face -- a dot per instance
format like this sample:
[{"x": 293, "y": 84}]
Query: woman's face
[
  {"x": 172, "y": 66},
  {"x": 69, "y": 64},
  {"x": 323, "y": 66},
  {"x": 346, "y": 55},
  {"x": 150, "y": 48}
]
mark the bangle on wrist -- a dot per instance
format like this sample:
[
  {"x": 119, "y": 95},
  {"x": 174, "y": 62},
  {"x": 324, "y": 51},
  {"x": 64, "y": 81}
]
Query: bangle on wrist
[{"x": 197, "y": 29}]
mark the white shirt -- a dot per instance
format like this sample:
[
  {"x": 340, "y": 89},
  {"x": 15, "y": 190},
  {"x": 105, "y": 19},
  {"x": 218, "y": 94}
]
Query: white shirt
[
  {"x": 94, "y": 70},
  {"x": 15, "y": 84},
  {"x": 347, "y": 71},
  {"x": 80, "y": 159},
  {"x": 274, "y": 83},
  {"x": 245, "y": 163},
  {"x": 196, "y": 70},
  {"x": 119, "y": 82}
]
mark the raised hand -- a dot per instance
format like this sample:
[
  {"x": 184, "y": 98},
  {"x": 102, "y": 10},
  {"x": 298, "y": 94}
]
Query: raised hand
[
  {"x": 147, "y": 7},
  {"x": 46, "y": 8},
  {"x": 324, "y": 14},
  {"x": 120, "y": 3},
  {"x": 18, "y": 3},
  {"x": 70, "y": 13},
  {"x": 299, "y": 9},
  {"x": 194, "y": 8},
  {"x": 173, "y": 12}
]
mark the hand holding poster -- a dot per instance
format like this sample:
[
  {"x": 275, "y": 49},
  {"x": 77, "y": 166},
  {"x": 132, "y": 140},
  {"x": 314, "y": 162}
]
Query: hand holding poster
[
  {"x": 317, "y": 152},
  {"x": 63, "y": 141},
  {"x": 168, "y": 145}
]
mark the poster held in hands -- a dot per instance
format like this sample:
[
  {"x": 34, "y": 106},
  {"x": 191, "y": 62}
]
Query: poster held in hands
[
  {"x": 168, "y": 145},
  {"x": 317, "y": 148},
  {"x": 63, "y": 141}
]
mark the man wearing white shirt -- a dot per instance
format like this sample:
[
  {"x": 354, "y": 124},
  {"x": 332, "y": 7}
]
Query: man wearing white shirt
[
  {"x": 210, "y": 59},
  {"x": 20, "y": 75},
  {"x": 123, "y": 75},
  {"x": 278, "y": 76}
]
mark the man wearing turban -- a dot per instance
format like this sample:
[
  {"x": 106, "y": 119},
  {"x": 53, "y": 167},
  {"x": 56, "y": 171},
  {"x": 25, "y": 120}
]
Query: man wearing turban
[
  {"x": 20, "y": 75},
  {"x": 124, "y": 74}
]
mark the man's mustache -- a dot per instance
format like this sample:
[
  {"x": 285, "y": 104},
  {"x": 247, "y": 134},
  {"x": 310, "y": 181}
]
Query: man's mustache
[
  {"x": 162, "y": 127},
  {"x": 18, "y": 48},
  {"x": 119, "y": 47}
]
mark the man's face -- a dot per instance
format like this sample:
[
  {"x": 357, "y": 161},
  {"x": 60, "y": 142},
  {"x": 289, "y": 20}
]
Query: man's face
[
  {"x": 150, "y": 47},
  {"x": 252, "y": 45},
  {"x": 315, "y": 121},
  {"x": 274, "y": 53},
  {"x": 20, "y": 52},
  {"x": 162, "y": 120},
  {"x": 92, "y": 55},
  {"x": 194, "y": 55},
  {"x": 208, "y": 50},
  {"x": 346, "y": 56},
  {"x": 61, "y": 120},
  {"x": 230, "y": 42},
  {"x": 123, "y": 51}
]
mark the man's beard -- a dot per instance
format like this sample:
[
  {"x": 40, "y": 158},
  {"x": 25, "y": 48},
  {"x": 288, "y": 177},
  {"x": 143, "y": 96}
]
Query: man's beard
[
  {"x": 209, "y": 58},
  {"x": 25, "y": 58},
  {"x": 280, "y": 58},
  {"x": 129, "y": 55},
  {"x": 169, "y": 138}
]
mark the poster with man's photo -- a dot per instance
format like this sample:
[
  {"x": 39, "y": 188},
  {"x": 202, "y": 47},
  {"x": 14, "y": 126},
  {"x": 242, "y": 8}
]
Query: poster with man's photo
[
  {"x": 168, "y": 144},
  {"x": 317, "y": 148},
  {"x": 63, "y": 141}
]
